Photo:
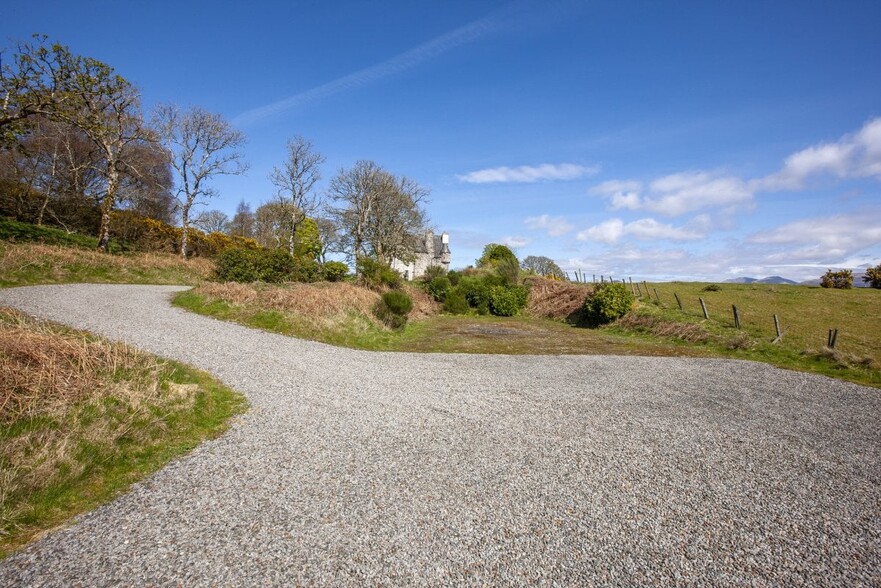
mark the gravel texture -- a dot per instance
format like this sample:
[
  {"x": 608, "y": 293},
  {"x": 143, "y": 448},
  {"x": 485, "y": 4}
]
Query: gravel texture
[{"x": 361, "y": 468}]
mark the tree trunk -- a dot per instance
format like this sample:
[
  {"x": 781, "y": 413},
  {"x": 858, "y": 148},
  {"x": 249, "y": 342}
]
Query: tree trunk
[
  {"x": 107, "y": 207},
  {"x": 185, "y": 226}
]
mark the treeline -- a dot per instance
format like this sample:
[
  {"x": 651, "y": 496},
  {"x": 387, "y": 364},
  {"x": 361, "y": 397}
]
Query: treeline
[{"x": 78, "y": 152}]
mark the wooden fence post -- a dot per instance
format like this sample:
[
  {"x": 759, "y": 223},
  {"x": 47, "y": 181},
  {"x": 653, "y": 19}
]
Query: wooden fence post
[
  {"x": 704, "y": 308},
  {"x": 679, "y": 302},
  {"x": 638, "y": 290},
  {"x": 736, "y": 316},
  {"x": 658, "y": 298},
  {"x": 833, "y": 338},
  {"x": 632, "y": 289},
  {"x": 777, "y": 329}
]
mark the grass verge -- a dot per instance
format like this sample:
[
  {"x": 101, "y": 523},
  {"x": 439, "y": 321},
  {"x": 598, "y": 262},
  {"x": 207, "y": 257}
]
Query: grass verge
[{"x": 81, "y": 419}]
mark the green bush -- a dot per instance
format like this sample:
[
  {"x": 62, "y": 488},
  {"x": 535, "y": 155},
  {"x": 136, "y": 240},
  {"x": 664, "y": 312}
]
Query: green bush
[
  {"x": 438, "y": 288},
  {"x": 608, "y": 303},
  {"x": 454, "y": 277},
  {"x": 392, "y": 309},
  {"x": 398, "y": 302},
  {"x": 507, "y": 301},
  {"x": 434, "y": 271},
  {"x": 842, "y": 279},
  {"x": 456, "y": 303},
  {"x": 334, "y": 271},
  {"x": 237, "y": 264},
  {"x": 494, "y": 253},
  {"x": 476, "y": 292},
  {"x": 375, "y": 274}
]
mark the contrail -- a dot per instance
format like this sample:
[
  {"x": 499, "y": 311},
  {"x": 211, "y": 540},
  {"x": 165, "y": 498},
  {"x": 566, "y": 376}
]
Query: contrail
[{"x": 402, "y": 62}]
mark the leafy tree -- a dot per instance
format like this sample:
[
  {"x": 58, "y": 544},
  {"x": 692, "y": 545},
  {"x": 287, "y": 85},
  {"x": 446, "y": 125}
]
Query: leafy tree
[
  {"x": 873, "y": 276},
  {"x": 200, "y": 145},
  {"x": 842, "y": 279},
  {"x": 543, "y": 266},
  {"x": 37, "y": 80},
  {"x": 494, "y": 254},
  {"x": 294, "y": 182}
]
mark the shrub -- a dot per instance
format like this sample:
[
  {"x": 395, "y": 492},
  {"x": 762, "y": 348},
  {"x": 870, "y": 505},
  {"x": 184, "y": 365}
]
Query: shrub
[
  {"x": 398, "y": 302},
  {"x": 476, "y": 292},
  {"x": 711, "y": 288},
  {"x": 507, "y": 301},
  {"x": 375, "y": 274},
  {"x": 872, "y": 276},
  {"x": 392, "y": 309},
  {"x": 456, "y": 303},
  {"x": 454, "y": 277},
  {"x": 607, "y": 303},
  {"x": 237, "y": 264},
  {"x": 842, "y": 279},
  {"x": 334, "y": 271},
  {"x": 434, "y": 271},
  {"x": 438, "y": 288}
]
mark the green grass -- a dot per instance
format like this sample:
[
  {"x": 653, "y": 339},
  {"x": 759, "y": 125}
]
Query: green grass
[
  {"x": 24, "y": 264},
  {"x": 15, "y": 231},
  {"x": 806, "y": 314}
]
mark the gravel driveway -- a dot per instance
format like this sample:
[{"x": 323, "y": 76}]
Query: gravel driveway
[{"x": 356, "y": 468}]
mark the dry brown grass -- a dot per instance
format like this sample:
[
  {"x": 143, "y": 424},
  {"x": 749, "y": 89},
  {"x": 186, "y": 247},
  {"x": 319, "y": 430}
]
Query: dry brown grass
[
  {"x": 326, "y": 302},
  {"x": 555, "y": 299},
  {"x": 323, "y": 299},
  {"x": 60, "y": 390},
  {"x": 28, "y": 263},
  {"x": 690, "y": 332}
]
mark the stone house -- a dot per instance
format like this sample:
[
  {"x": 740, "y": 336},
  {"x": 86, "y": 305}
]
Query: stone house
[{"x": 430, "y": 250}]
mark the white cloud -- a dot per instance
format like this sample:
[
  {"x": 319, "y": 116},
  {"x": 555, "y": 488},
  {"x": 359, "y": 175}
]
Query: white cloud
[
  {"x": 824, "y": 238},
  {"x": 646, "y": 229},
  {"x": 680, "y": 193},
  {"x": 857, "y": 155},
  {"x": 609, "y": 232},
  {"x": 554, "y": 225},
  {"x": 516, "y": 242},
  {"x": 677, "y": 194},
  {"x": 528, "y": 173}
]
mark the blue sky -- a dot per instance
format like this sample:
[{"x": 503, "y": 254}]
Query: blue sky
[{"x": 658, "y": 140}]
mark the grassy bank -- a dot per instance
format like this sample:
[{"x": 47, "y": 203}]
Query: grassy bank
[
  {"x": 82, "y": 419},
  {"x": 23, "y": 264}
]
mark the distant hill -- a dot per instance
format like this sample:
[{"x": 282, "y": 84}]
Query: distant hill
[{"x": 767, "y": 280}]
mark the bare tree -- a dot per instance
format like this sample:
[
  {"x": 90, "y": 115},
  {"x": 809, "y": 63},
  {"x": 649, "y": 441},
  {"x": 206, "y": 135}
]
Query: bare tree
[
  {"x": 354, "y": 192},
  {"x": 329, "y": 238},
  {"x": 107, "y": 109},
  {"x": 376, "y": 212},
  {"x": 242, "y": 224},
  {"x": 212, "y": 221},
  {"x": 200, "y": 145},
  {"x": 294, "y": 183},
  {"x": 396, "y": 217},
  {"x": 543, "y": 266}
]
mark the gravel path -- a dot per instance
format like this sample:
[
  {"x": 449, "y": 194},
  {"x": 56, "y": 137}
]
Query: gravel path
[{"x": 356, "y": 468}]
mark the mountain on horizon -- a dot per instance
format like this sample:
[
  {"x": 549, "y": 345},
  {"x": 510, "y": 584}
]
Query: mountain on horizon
[{"x": 766, "y": 280}]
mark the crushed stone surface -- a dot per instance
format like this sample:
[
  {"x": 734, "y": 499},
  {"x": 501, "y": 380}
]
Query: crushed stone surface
[{"x": 363, "y": 468}]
